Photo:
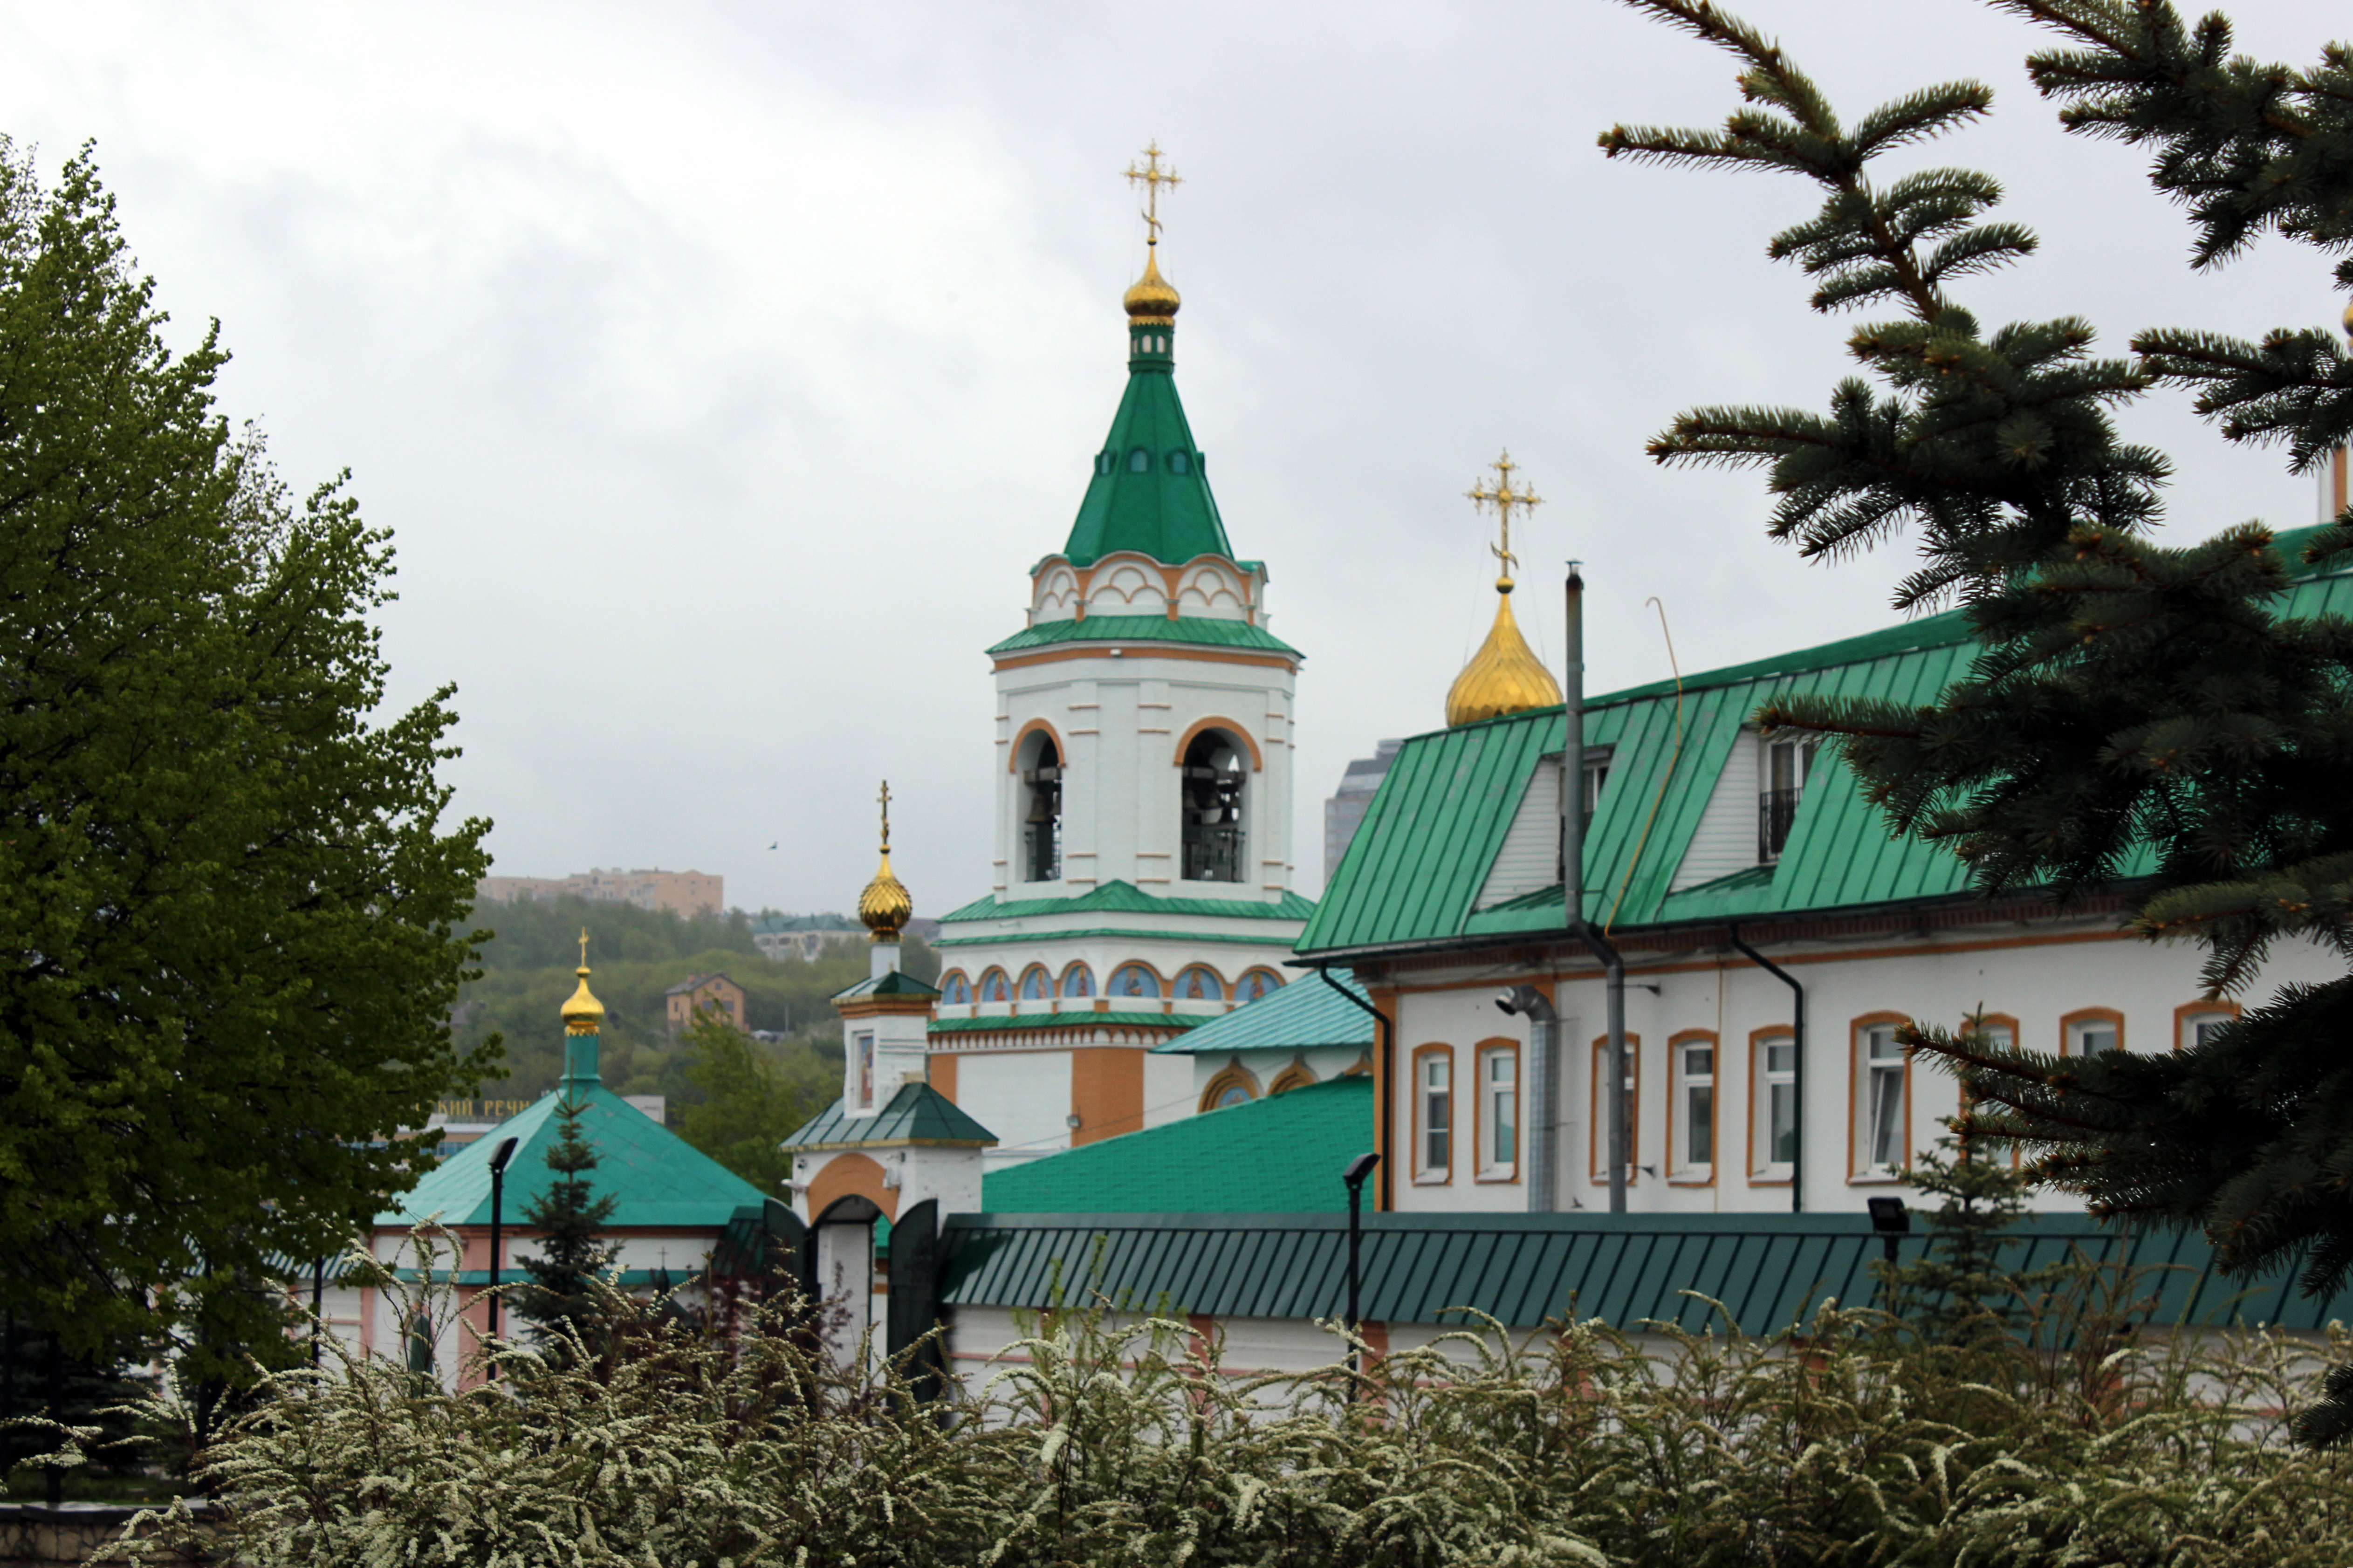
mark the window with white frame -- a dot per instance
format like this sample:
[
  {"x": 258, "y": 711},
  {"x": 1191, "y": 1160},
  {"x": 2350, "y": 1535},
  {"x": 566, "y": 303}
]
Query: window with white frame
[
  {"x": 1774, "y": 1140},
  {"x": 864, "y": 1043},
  {"x": 1880, "y": 1111},
  {"x": 2089, "y": 1033},
  {"x": 1499, "y": 1112},
  {"x": 1694, "y": 1064},
  {"x": 1599, "y": 1133},
  {"x": 2199, "y": 1028},
  {"x": 1434, "y": 1116}
]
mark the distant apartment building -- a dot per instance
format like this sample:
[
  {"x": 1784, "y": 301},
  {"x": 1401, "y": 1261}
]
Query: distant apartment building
[
  {"x": 680, "y": 892},
  {"x": 1344, "y": 813},
  {"x": 698, "y": 991}
]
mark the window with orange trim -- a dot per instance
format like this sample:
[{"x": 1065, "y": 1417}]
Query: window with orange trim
[
  {"x": 1495, "y": 1135},
  {"x": 1597, "y": 1132},
  {"x": 1772, "y": 1104},
  {"x": 1999, "y": 1032},
  {"x": 1690, "y": 1131},
  {"x": 1233, "y": 1084},
  {"x": 1433, "y": 1113},
  {"x": 2088, "y": 1031},
  {"x": 2198, "y": 1023},
  {"x": 1880, "y": 1093}
]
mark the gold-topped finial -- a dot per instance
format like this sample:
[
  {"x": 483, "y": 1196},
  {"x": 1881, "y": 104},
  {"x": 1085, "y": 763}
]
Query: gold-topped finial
[
  {"x": 584, "y": 1015},
  {"x": 1505, "y": 676},
  {"x": 886, "y": 906},
  {"x": 1152, "y": 298}
]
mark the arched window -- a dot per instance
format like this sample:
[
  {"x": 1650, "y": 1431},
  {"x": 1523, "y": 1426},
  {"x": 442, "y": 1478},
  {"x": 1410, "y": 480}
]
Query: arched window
[
  {"x": 2090, "y": 1031},
  {"x": 1035, "y": 986},
  {"x": 1135, "y": 980},
  {"x": 993, "y": 987},
  {"x": 1078, "y": 981},
  {"x": 1180, "y": 461},
  {"x": 955, "y": 991},
  {"x": 1297, "y": 1075},
  {"x": 1039, "y": 765},
  {"x": 1139, "y": 461},
  {"x": 1200, "y": 984},
  {"x": 1215, "y": 771},
  {"x": 1233, "y": 1084},
  {"x": 2200, "y": 1022},
  {"x": 1256, "y": 984}
]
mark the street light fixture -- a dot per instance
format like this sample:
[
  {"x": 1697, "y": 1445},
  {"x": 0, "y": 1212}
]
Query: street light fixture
[
  {"x": 1355, "y": 1176},
  {"x": 1892, "y": 1223},
  {"x": 499, "y": 1158}
]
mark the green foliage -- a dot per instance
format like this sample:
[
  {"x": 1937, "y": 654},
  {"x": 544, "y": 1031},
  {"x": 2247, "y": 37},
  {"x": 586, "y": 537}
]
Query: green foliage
[
  {"x": 561, "y": 1296},
  {"x": 1101, "y": 1439},
  {"x": 234, "y": 919},
  {"x": 98, "y": 1397},
  {"x": 754, "y": 1097},
  {"x": 2128, "y": 698},
  {"x": 1958, "y": 1292}
]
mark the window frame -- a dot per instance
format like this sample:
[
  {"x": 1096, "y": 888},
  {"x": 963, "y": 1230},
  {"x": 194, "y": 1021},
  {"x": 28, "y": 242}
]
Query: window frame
[
  {"x": 1680, "y": 1171},
  {"x": 2190, "y": 1012},
  {"x": 1484, "y": 1169},
  {"x": 1597, "y": 1132},
  {"x": 2017, "y": 1033},
  {"x": 2069, "y": 1024},
  {"x": 1768, "y": 1172},
  {"x": 1425, "y": 1174},
  {"x": 861, "y": 1042},
  {"x": 1857, "y": 1135}
]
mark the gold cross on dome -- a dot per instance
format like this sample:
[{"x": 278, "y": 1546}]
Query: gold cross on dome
[
  {"x": 885, "y": 798},
  {"x": 1152, "y": 176},
  {"x": 584, "y": 947},
  {"x": 1503, "y": 499}
]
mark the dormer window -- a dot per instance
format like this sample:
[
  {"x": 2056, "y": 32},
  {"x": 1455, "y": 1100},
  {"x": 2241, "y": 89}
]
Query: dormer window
[
  {"x": 1180, "y": 462},
  {"x": 1139, "y": 461},
  {"x": 1783, "y": 770},
  {"x": 1210, "y": 831}
]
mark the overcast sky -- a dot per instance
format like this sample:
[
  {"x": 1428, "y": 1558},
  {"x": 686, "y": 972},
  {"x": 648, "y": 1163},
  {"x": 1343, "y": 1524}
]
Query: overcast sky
[{"x": 722, "y": 369}]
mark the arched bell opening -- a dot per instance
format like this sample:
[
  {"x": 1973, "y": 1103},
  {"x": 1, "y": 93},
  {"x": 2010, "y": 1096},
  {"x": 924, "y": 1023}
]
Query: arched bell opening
[
  {"x": 1040, "y": 771},
  {"x": 1215, "y": 773}
]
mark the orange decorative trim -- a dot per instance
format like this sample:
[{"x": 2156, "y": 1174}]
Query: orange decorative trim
[
  {"x": 1479, "y": 1055},
  {"x": 1675, "y": 1042},
  {"x": 1596, "y": 1111},
  {"x": 1258, "y": 762},
  {"x": 1106, "y": 1092},
  {"x": 850, "y": 1174},
  {"x": 1435, "y": 1176},
  {"x": 2188, "y": 1010},
  {"x": 1233, "y": 1074},
  {"x": 1993, "y": 1021},
  {"x": 1297, "y": 1075},
  {"x": 1013, "y": 752},
  {"x": 1854, "y": 1029},
  {"x": 940, "y": 1073},
  {"x": 2088, "y": 1015},
  {"x": 1756, "y": 1075}
]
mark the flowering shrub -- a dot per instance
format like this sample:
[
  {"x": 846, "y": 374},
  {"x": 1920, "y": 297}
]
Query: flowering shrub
[{"x": 1103, "y": 1440}]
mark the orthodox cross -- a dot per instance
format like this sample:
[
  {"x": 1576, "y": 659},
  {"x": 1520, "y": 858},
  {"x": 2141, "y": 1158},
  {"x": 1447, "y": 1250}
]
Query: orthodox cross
[
  {"x": 1152, "y": 176},
  {"x": 885, "y": 798},
  {"x": 1503, "y": 499},
  {"x": 584, "y": 947}
]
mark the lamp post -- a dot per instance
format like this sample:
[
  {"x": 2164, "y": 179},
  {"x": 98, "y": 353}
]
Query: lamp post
[
  {"x": 1358, "y": 1169},
  {"x": 1892, "y": 1223},
  {"x": 499, "y": 1158}
]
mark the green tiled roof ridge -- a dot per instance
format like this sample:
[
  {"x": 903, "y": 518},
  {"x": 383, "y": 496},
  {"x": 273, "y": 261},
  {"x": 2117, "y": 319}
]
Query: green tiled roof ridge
[
  {"x": 1127, "y": 898},
  {"x": 916, "y": 1113},
  {"x": 1197, "y": 630},
  {"x": 1164, "y": 514}
]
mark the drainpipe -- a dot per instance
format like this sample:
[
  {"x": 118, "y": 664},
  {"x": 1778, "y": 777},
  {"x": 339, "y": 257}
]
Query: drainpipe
[
  {"x": 1572, "y": 881},
  {"x": 1798, "y": 1077},
  {"x": 1385, "y": 1038},
  {"x": 1543, "y": 1097}
]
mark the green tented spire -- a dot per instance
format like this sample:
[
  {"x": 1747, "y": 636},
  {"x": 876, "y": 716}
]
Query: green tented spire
[{"x": 1149, "y": 493}]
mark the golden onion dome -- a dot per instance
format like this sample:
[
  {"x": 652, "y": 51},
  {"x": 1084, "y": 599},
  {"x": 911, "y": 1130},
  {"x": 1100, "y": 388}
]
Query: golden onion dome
[
  {"x": 1151, "y": 297},
  {"x": 886, "y": 906},
  {"x": 584, "y": 1015},
  {"x": 1505, "y": 676}
]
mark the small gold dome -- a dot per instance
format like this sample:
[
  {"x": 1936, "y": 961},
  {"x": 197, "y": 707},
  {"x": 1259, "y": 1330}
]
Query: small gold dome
[
  {"x": 1151, "y": 297},
  {"x": 584, "y": 1015},
  {"x": 1505, "y": 676},
  {"x": 886, "y": 906}
]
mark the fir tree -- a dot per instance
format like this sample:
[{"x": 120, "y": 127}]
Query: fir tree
[
  {"x": 2128, "y": 699},
  {"x": 1960, "y": 1291},
  {"x": 560, "y": 1299}
]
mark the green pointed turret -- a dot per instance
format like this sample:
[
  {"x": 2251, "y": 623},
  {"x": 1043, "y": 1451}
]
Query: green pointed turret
[{"x": 1148, "y": 493}]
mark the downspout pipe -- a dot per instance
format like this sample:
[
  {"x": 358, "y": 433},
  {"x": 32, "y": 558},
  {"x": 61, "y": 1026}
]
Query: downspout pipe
[
  {"x": 1385, "y": 1040},
  {"x": 1572, "y": 881},
  {"x": 1542, "y": 1094},
  {"x": 1797, "y": 1077}
]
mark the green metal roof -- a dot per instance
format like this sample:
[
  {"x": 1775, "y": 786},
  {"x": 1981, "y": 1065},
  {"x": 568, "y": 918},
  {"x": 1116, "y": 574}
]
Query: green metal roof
[
  {"x": 655, "y": 1177},
  {"x": 1429, "y": 839},
  {"x": 1769, "y": 1270},
  {"x": 1114, "y": 933},
  {"x": 1149, "y": 492},
  {"x": 894, "y": 983},
  {"x": 1287, "y": 1149},
  {"x": 1076, "y": 1018},
  {"x": 918, "y": 1114},
  {"x": 1304, "y": 1014},
  {"x": 1131, "y": 630},
  {"x": 1127, "y": 898}
]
